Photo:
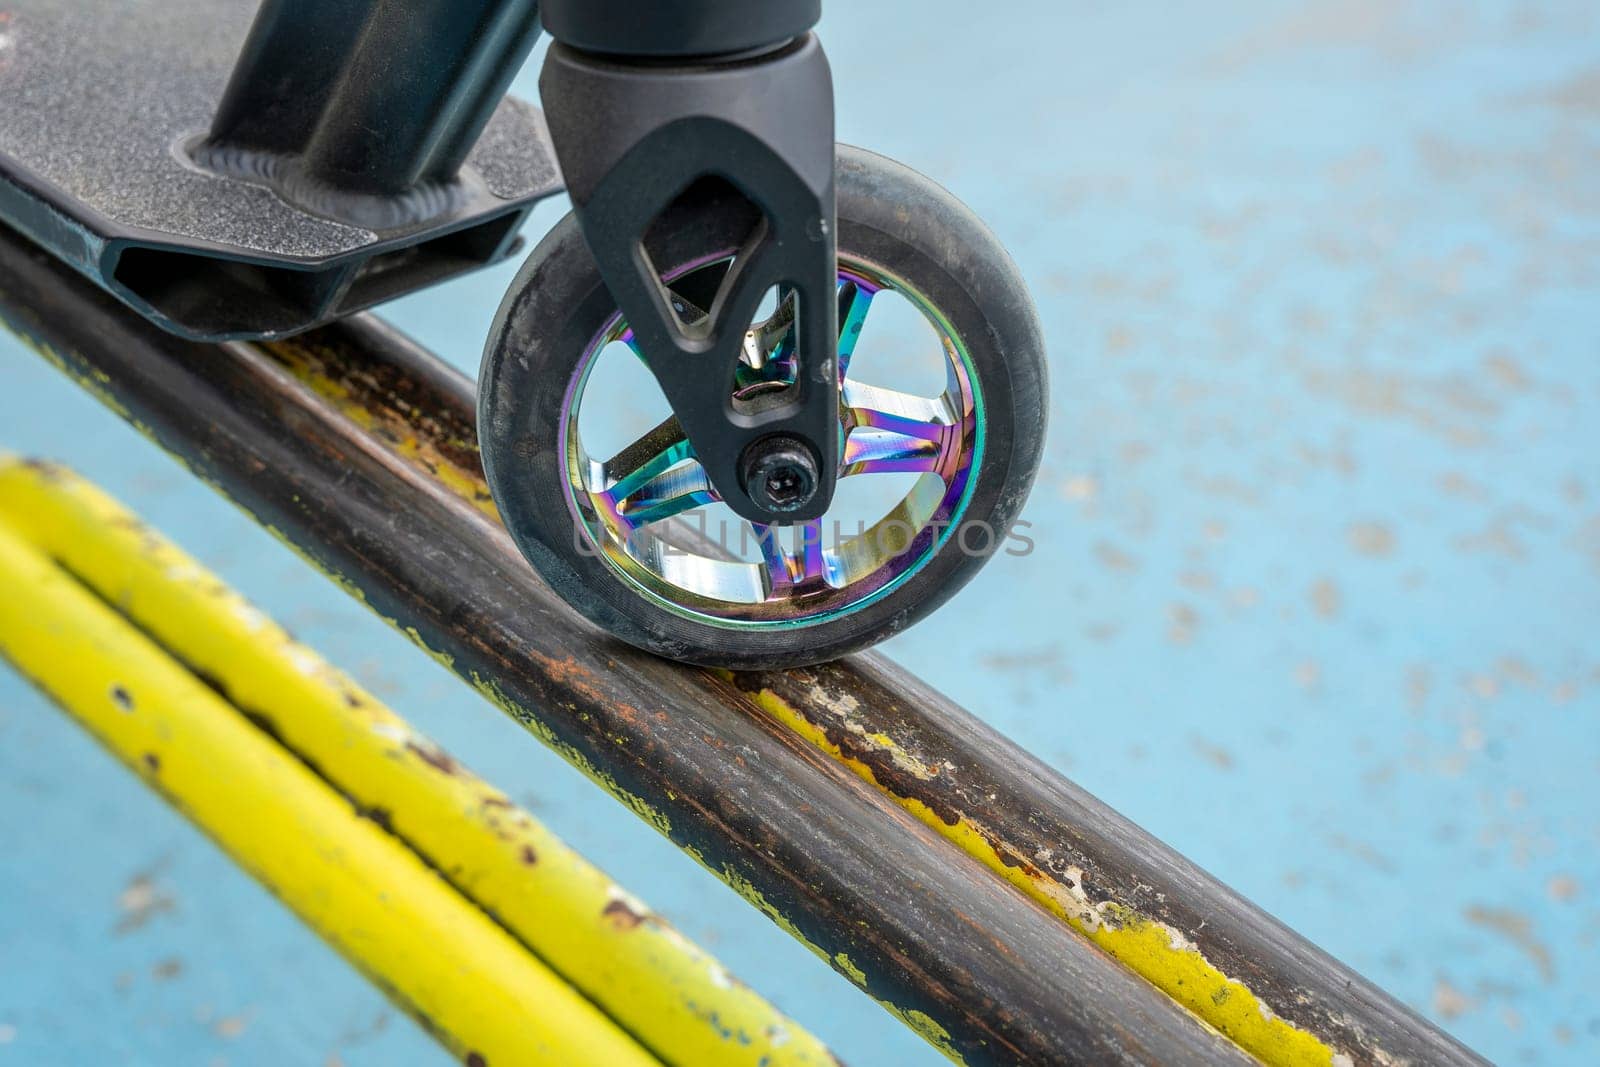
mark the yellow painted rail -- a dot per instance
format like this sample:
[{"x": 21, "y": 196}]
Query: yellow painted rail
[{"x": 605, "y": 980}]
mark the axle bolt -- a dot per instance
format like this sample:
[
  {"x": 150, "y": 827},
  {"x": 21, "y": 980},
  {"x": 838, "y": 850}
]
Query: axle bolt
[{"x": 779, "y": 473}]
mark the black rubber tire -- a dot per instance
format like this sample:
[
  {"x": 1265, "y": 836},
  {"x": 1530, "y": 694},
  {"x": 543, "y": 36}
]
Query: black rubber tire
[{"x": 889, "y": 215}]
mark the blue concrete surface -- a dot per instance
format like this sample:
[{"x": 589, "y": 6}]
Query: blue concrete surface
[{"x": 1318, "y": 563}]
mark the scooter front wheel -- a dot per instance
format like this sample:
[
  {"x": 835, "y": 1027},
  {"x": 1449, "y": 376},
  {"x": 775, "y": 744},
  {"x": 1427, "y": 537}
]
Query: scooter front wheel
[{"x": 942, "y": 418}]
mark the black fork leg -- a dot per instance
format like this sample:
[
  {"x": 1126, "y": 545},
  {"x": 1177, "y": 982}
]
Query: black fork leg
[{"x": 647, "y": 99}]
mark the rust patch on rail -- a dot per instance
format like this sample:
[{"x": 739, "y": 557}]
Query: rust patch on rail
[{"x": 420, "y": 425}]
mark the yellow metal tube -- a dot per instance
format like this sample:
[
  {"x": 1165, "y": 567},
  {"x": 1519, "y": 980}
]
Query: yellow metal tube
[
  {"x": 481, "y": 994},
  {"x": 673, "y": 997}
]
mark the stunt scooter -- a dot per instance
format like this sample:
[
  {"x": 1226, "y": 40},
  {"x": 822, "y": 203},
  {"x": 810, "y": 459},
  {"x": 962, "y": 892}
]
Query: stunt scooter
[{"x": 241, "y": 172}]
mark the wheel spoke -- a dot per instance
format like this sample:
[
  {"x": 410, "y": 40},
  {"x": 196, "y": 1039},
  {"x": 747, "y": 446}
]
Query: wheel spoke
[
  {"x": 793, "y": 555},
  {"x": 874, "y": 452},
  {"x": 854, "y": 300},
  {"x": 889, "y": 431},
  {"x": 655, "y": 477},
  {"x": 670, "y": 493}
]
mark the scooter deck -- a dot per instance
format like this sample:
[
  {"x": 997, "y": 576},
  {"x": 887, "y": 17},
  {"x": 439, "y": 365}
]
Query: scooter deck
[{"x": 99, "y": 103}]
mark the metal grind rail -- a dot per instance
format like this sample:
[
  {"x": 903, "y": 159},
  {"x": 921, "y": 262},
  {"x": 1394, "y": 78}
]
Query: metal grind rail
[{"x": 984, "y": 899}]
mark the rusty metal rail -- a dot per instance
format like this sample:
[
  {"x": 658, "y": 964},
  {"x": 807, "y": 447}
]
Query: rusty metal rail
[{"x": 1001, "y": 911}]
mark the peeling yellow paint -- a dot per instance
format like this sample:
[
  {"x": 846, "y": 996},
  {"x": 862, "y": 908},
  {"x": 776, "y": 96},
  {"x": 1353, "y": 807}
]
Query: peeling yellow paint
[
  {"x": 843, "y": 705},
  {"x": 399, "y": 435},
  {"x": 635, "y": 803},
  {"x": 1146, "y": 947},
  {"x": 850, "y": 970},
  {"x": 753, "y": 896},
  {"x": 929, "y": 1031},
  {"x": 95, "y": 382},
  {"x": 325, "y": 387},
  {"x": 921, "y": 1023}
]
